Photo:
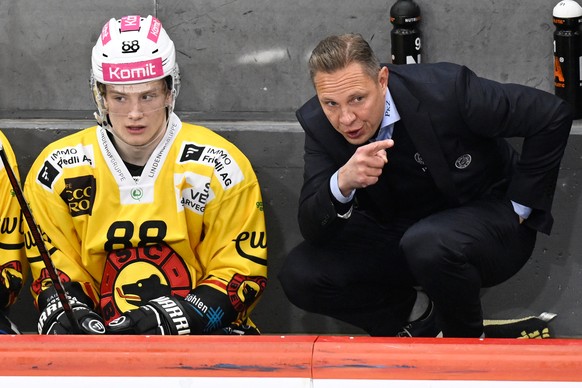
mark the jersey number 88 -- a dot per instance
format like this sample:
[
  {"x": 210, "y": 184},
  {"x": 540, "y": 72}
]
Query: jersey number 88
[{"x": 120, "y": 234}]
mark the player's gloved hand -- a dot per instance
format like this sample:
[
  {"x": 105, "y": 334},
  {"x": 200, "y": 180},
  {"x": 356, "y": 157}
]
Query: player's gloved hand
[
  {"x": 6, "y": 325},
  {"x": 53, "y": 319},
  {"x": 166, "y": 315}
]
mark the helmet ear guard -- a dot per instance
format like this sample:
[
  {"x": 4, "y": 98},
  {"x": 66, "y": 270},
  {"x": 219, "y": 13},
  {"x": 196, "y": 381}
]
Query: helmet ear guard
[
  {"x": 99, "y": 100},
  {"x": 175, "y": 87}
]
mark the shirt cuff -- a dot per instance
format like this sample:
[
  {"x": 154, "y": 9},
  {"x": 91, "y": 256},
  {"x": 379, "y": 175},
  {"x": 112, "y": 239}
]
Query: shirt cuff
[
  {"x": 522, "y": 211},
  {"x": 335, "y": 191}
]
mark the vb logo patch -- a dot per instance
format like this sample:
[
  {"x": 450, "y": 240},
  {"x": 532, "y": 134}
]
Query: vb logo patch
[{"x": 134, "y": 276}]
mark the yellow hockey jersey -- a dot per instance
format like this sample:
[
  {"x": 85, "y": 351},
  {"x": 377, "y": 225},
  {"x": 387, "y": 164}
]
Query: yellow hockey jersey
[
  {"x": 194, "y": 216},
  {"x": 13, "y": 264}
]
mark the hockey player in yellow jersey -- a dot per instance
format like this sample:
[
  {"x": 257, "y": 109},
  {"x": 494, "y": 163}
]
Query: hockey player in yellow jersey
[
  {"x": 155, "y": 226},
  {"x": 13, "y": 264}
]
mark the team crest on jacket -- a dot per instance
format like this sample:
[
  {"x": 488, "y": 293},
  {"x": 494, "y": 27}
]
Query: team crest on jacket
[
  {"x": 463, "y": 161},
  {"x": 418, "y": 159},
  {"x": 134, "y": 276}
]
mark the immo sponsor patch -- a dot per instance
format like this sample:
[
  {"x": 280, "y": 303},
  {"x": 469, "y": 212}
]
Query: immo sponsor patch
[
  {"x": 59, "y": 159},
  {"x": 226, "y": 169}
]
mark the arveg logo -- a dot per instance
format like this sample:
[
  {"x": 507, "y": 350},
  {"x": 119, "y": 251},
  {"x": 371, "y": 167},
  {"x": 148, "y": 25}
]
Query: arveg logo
[{"x": 136, "y": 71}]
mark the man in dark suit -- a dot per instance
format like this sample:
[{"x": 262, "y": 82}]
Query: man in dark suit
[{"x": 412, "y": 199}]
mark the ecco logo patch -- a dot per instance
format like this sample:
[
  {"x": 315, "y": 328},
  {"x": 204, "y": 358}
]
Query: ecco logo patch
[{"x": 79, "y": 194}]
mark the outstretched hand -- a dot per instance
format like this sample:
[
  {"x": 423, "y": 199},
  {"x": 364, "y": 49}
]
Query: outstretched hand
[{"x": 364, "y": 167}]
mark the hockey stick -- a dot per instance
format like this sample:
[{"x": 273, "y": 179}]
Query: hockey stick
[{"x": 61, "y": 293}]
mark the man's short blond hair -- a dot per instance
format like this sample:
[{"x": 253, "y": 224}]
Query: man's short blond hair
[{"x": 336, "y": 52}]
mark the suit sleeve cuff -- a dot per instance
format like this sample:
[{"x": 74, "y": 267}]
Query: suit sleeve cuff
[
  {"x": 521, "y": 210},
  {"x": 335, "y": 191}
]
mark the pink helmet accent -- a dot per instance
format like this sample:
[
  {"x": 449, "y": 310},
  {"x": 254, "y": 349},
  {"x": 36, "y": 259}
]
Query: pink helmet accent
[{"x": 131, "y": 50}]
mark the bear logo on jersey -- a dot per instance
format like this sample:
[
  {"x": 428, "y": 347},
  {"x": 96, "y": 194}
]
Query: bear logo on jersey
[
  {"x": 143, "y": 290},
  {"x": 244, "y": 290},
  {"x": 134, "y": 276},
  {"x": 11, "y": 276},
  {"x": 44, "y": 282}
]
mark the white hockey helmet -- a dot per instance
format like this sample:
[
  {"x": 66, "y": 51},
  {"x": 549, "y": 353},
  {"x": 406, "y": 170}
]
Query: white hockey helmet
[{"x": 130, "y": 50}]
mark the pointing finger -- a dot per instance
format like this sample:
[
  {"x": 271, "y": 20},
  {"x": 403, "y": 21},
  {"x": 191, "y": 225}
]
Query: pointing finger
[{"x": 379, "y": 145}]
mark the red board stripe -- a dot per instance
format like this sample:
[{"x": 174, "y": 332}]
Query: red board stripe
[{"x": 293, "y": 356}]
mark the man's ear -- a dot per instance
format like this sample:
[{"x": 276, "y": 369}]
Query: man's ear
[
  {"x": 169, "y": 99},
  {"x": 383, "y": 77}
]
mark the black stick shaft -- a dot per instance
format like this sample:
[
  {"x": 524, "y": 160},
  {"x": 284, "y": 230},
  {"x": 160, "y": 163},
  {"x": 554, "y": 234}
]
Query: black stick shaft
[{"x": 40, "y": 243}]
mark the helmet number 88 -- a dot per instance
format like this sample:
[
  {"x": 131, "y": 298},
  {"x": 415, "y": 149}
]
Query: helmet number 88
[{"x": 130, "y": 46}]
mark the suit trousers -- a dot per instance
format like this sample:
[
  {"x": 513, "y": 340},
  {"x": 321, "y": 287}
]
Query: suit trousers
[{"x": 367, "y": 274}]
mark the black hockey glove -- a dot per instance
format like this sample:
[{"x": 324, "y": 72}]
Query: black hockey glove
[
  {"x": 166, "y": 315},
  {"x": 6, "y": 325},
  {"x": 53, "y": 319}
]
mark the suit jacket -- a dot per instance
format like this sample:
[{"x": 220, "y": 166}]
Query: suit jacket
[{"x": 458, "y": 123}]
